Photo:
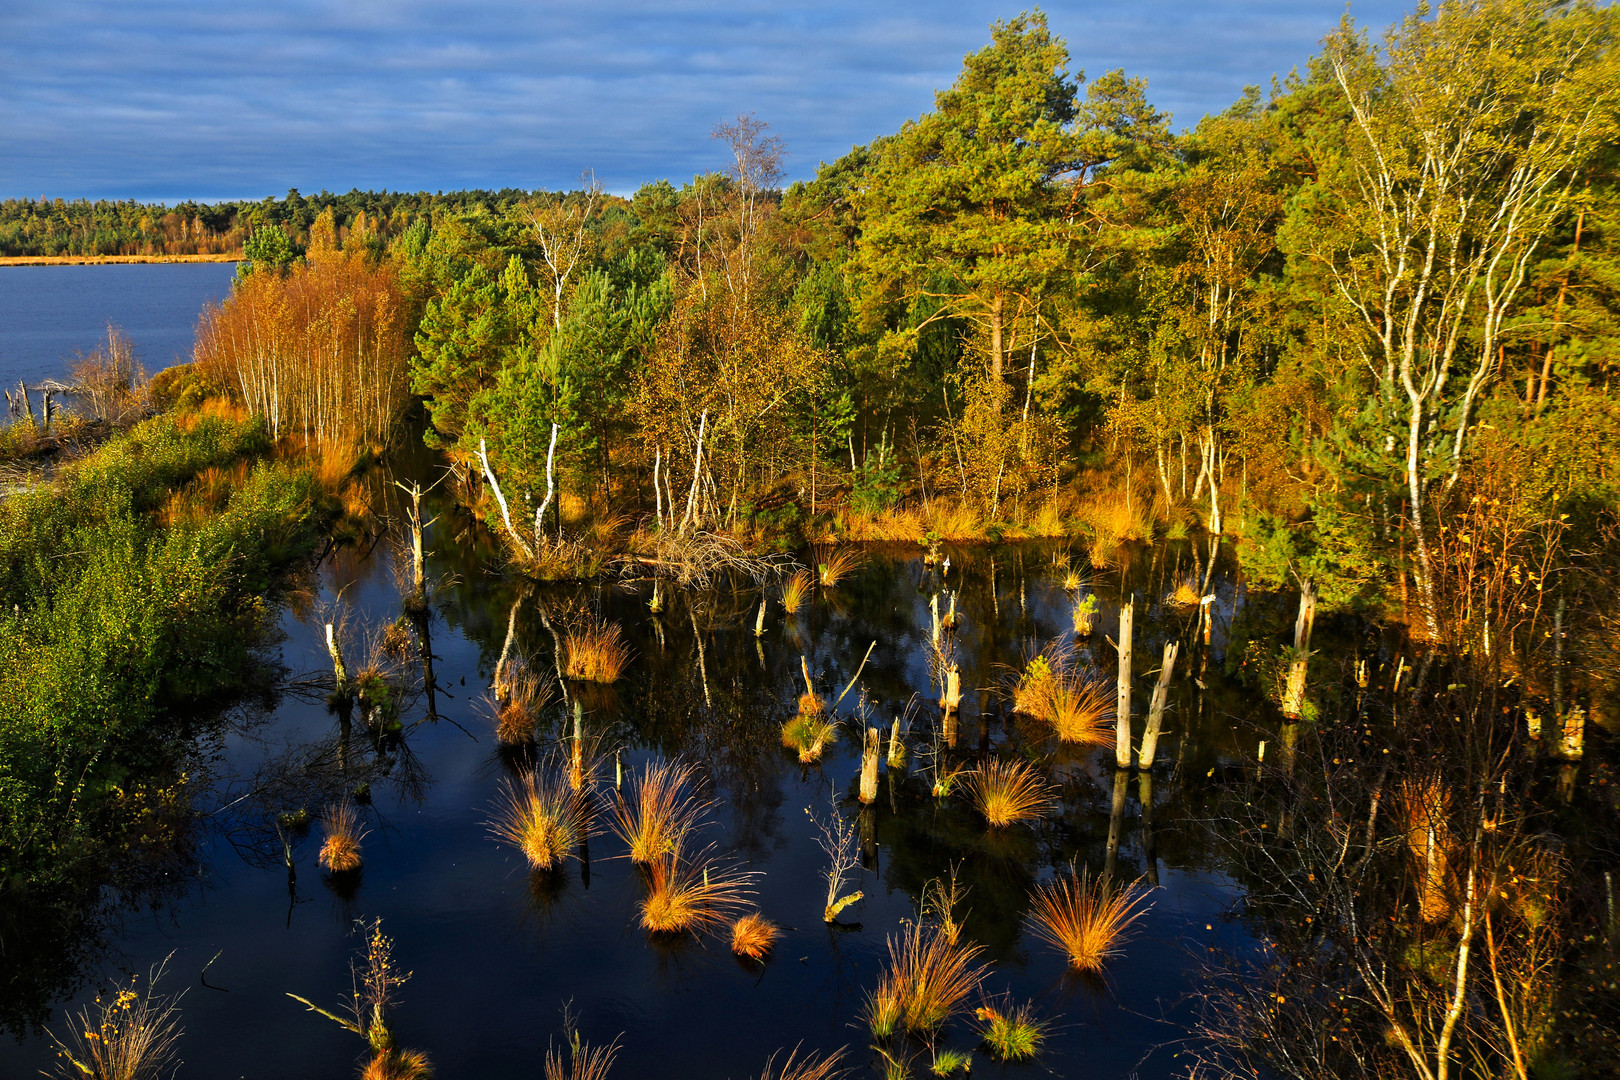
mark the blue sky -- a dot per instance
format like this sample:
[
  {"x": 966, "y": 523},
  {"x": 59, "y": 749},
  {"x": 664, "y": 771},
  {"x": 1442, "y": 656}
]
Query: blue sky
[{"x": 208, "y": 99}]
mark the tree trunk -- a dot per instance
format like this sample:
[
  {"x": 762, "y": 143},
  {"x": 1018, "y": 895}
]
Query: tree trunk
[
  {"x": 869, "y": 765},
  {"x": 1161, "y": 694},
  {"x": 1122, "y": 719},
  {"x": 1294, "y": 696}
]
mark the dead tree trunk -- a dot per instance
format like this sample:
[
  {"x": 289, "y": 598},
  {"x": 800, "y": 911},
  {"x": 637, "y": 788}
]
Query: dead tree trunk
[
  {"x": 1161, "y": 694},
  {"x": 1294, "y": 695},
  {"x": 1122, "y": 718},
  {"x": 869, "y": 765}
]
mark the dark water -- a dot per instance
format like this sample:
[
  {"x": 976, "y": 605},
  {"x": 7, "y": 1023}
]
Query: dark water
[
  {"x": 49, "y": 314},
  {"x": 495, "y": 954}
]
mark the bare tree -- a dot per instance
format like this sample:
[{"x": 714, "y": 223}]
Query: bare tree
[
  {"x": 562, "y": 228},
  {"x": 756, "y": 168}
]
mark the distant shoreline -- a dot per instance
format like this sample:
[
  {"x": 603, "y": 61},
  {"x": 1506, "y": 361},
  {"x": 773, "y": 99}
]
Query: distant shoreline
[{"x": 105, "y": 260}]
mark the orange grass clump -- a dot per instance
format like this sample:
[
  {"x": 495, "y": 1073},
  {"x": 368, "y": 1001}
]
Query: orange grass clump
[
  {"x": 691, "y": 894},
  {"x": 1086, "y": 918},
  {"x": 753, "y": 936},
  {"x": 659, "y": 813},
  {"x": 929, "y": 976},
  {"x": 1185, "y": 594},
  {"x": 1005, "y": 792},
  {"x": 595, "y": 653},
  {"x": 1080, "y": 710},
  {"x": 795, "y": 590},
  {"x": 834, "y": 566},
  {"x": 541, "y": 817},
  {"x": 340, "y": 853},
  {"x": 395, "y": 1064}
]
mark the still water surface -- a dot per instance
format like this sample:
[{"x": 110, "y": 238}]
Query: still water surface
[
  {"x": 496, "y": 952},
  {"x": 49, "y": 314}
]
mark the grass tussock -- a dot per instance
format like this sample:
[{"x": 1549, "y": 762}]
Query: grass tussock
[
  {"x": 659, "y": 813},
  {"x": 832, "y": 567},
  {"x": 340, "y": 852},
  {"x": 397, "y": 1064},
  {"x": 809, "y": 1067},
  {"x": 542, "y": 817},
  {"x": 130, "y": 1034},
  {"x": 928, "y": 977},
  {"x": 1078, "y": 708},
  {"x": 1185, "y": 595},
  {"x": 596, "y": 653},
  {"x": 1007, "y": 792},
  {"x": 582, "y": 1060},
  {"x": 526, "y": 696},
  {"x": 809, "y": 733},
  {"x": 795, "y": 590},
  {"x": 1086, "y": 918},
  {"x": 753, "y": 936},
  {"x": 690, "y": 894},
  {"x": 1010, "y": 1033}
]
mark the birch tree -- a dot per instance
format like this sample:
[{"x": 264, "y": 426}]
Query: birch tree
[{"x": 1465, "y": 139}]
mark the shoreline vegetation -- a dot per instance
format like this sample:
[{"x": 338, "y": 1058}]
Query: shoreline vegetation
[
  {"x": 1033, "y": 312},
  {"x": 113, "y": 260}
]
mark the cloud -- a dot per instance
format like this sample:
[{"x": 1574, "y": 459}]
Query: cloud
[{"x": 208, "y": 99}]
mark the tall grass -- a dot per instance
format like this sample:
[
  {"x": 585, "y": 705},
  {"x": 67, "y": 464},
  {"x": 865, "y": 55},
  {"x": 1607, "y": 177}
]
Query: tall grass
[
  {"x": 130, "y": 1034},
  {"x": 542, "y": 817},
  {"x": 595, "y": 652},
  {"x": 806, "y": 1068},
  {"x": 1007, "y": 792},
  {"x": 691, "y": 893},
  {"x": 340, "y": 852},
  {"x": 1085, "y": 918},
  {"x": 928, "y": 977},
  {"x": 659, "y": 813}
]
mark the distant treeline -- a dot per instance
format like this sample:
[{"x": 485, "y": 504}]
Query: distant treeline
[{"x": 126, "y": 227}]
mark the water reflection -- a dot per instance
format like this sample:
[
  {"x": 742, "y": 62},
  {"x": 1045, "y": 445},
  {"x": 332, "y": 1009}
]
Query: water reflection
[{"x": 702, "y": 686}]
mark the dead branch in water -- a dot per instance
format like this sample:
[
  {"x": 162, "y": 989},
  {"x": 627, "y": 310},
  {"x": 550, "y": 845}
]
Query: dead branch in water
[{"x": 700, "y": 559}]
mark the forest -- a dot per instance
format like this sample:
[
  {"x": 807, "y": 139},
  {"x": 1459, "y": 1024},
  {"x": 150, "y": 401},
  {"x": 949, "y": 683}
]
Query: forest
[{"x": 1360, "y": 333}]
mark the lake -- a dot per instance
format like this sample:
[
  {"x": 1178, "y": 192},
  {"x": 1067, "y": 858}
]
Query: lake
[{"x": 48, "y": 314}]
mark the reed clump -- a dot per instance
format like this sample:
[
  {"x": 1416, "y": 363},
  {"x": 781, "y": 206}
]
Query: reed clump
[
  {"x": 542, "y": 817},
  {"x": 1085, "y": 918},
  {"x": 689, "y": 894},
  {"x": 928, "y": 977},
  {"x": 1010, "y": 1033},
  {"x": 753, "y": 936},
  {"x": 340, "y": 852},
  {"x": 1007, "y": 792},
  {"x": 795, "y": 590},
  {"x": 659, "y": 812},
  {"x": 836, "y": 565},
  {"x": 398, "y": 1064},
  {"x": 582, "y": 1061},
  {"x": 596, "y": 652}
]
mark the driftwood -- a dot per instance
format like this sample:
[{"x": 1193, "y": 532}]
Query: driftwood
[{"x": 700, "y": 559}]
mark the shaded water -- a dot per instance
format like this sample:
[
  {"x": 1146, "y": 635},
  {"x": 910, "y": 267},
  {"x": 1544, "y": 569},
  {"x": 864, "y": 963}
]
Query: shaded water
[{"x": 496, "y": 952}]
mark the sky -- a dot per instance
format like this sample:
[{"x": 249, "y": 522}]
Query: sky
[{"x": 212, "y": 99}]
